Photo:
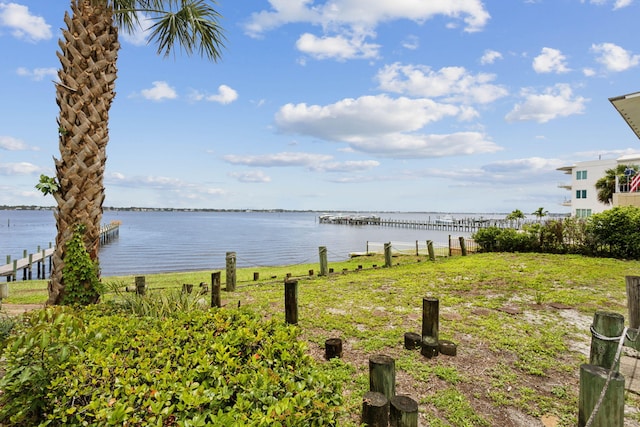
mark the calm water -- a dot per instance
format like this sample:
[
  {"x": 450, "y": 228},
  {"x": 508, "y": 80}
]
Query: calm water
[{"x": 153, "y": 242}]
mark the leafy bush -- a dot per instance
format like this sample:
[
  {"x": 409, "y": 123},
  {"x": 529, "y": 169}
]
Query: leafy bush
[
  {"x": 217, "y": 367},
  {"x": 80, "y": 273},
  {"x": 616, "y": 232},
  {"x": 487, "y": 238},
  {"x": 493, "y": 239}
]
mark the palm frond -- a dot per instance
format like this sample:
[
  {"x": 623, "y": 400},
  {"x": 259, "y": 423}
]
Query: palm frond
[{"x": 193, "y": 27}]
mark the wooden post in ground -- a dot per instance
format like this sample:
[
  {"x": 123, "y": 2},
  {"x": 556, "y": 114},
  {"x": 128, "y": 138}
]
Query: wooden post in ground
[
  {"x": 140, "y": 285},
  {"x": 412, "y": 340},
  {"x": 333, "y": 348},
  {"x": 291, "y": 301},
  {"x": 430, "y": 326},
  {"x": 403, "y": 412},
  {"x": 216, "y": 301},
  {"x": 603, "y": 352},
  {"x": 375, "y": 409},
  {"x": 382, "y": 375},
  {"x": 611, "y": 410},
  {"x": 633, "y": 300},
  {"x": 417, "y": 249},
  {"x": 463, "y": 246},
  {"x": 387, "y": 254},
  {"x": 432, "y": 253},
  {"x": 322, "y": 251},
  {"x": 231, "y": 271}
]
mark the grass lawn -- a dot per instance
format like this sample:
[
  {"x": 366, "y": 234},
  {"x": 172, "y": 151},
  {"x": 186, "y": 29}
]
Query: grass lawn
[{"x": 520, "y": 321}]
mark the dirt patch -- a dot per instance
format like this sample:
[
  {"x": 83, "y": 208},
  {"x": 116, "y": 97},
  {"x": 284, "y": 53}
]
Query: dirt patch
[{"x": 17, "y": 309}]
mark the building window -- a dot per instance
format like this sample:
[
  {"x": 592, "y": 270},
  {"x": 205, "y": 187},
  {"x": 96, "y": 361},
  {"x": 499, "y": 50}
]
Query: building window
[
  {"x": 583, "y": 213},
  {"x": 581, "y": 194},
  {"x": 581, "y": 175}
]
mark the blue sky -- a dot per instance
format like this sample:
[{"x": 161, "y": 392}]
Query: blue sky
[{"x": 404, "y": 105}]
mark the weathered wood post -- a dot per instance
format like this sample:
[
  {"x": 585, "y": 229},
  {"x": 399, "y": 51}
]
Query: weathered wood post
[
  {"x": 633, "y": 300},
  {"x": 463, "y": 246},
  {"x": 30, "y": 267},
  {"x": 256, "y": 276},
  {"x": 382, "y": 375},
  {"x": 417, "y": 249},
  {"x": 387, "y": 254},
  {"x": 375, "y": 409},
  {"x": 603, "y": 351},
  {"x": 291, "y": 301},
  {"x": 432, "y": 253},
  {"x": 412, "y": 341},
  {"x": 430, "y": 326},
  {"x": 403, "y": 412},
  {"x": 449, "y": 244},
  {"x": 611, "y": 410},
  {"x": 606, "y": 330},
  {"x": 216, "y": 301},
  {"x": 4, "y": 291},
  {"x": 140, "y": 285},
  {"x": 322, "y": 250},
  {"x": 333, "y": 348},
  {"x": 231, "y": 271}
]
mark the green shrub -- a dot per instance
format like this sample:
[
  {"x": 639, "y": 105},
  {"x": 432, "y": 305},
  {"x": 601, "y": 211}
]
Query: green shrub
[
  {"x": 487, "y": 238},
  {"x": 217, "y": 367},
  {"x": 616, "y": 232},
  {"x": 80, "y": 274}
]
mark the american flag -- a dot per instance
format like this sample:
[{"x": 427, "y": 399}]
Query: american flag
[{"x": 635, "y": 182}]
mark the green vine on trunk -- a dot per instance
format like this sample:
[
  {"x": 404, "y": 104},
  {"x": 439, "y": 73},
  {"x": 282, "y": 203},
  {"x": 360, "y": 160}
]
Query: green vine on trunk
[{"x": 80, "y": 273}]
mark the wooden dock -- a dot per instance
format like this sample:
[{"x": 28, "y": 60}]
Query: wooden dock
[
  {"x": 42, "y": 257},
  {"x": 469, "y": 225}
]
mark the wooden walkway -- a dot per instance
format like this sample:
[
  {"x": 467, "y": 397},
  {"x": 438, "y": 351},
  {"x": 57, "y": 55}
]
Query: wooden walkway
[
  {"x": 41, "y": 258},
  {"x": 465, "y": 225}
]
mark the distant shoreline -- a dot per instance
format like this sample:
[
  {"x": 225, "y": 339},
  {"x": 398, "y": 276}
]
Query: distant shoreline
[{"x": 146, "y": 209}]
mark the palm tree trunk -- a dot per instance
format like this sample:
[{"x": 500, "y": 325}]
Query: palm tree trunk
[{"x": 88, "y": 53}]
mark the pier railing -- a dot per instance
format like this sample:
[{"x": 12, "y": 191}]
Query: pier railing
[
  {"x": 440, "y": 224},
  {"x": 41, "y": 258}
]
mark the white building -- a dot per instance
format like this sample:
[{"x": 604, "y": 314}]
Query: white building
[{"x": 584, "y": 196}]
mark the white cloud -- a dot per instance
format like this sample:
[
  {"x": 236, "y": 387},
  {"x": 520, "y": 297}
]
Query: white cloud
[
  {"x": 251, "y": 176},
  {"x": 490, "y": 56},
  {"x": 383, "y": 126},
  {"x": 455, "y": 84},
  {"x": 278, "y": 159},
  {"x": 411, "y": 43},
  {"x": 410, "y": 146},
  {"x": 614, "y": 57},
  {"x": 22, "y": 168},
  {"x": 554, "y": 102},
  {"x": 163, "y": 184},
  {"x": 138, "y": 37},
  {"x": 348, "y": 166},
  {"x": 225, "y": 95},
  {"x": 358, "y": 14},
  {"x": 338, "y": 47},
  {"x": 22, "y": 24},
  {"x": 617, "y": 4},
  {"x": 10, "y": 143},
  {"x": 159, "y": 92},
  {"x": 550, "y": 61},
  {"x": 38, "y": 74},
  {"x": 351, "y": 119}
]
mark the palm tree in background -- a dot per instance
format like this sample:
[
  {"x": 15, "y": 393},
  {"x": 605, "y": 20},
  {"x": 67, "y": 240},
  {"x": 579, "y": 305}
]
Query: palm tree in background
[
  {"x": 540, "y": 213},
  {"x": 606, "y": 185},
  {"x": 86, "y": 88}
]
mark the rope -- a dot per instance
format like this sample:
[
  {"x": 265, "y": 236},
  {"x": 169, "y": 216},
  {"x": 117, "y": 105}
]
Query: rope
[{"x": 620, "y": 340}]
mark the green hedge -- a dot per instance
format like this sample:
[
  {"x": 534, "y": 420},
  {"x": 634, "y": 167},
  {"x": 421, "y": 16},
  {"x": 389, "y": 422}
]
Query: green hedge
[
  {"x": 613, "y": 233},
  {"x": 218, "y": 367}
]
